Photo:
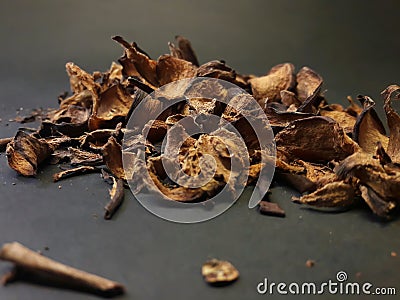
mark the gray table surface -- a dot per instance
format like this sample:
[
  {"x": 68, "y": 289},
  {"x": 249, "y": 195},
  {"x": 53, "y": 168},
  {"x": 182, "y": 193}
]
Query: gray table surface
[{"x": 353, "y": 44}]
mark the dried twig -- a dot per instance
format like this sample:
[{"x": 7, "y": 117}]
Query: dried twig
[
  {"x": 31, "y": 261},
  {"x": 117, "y": 196},
  {"x": 75, "y": 171}
]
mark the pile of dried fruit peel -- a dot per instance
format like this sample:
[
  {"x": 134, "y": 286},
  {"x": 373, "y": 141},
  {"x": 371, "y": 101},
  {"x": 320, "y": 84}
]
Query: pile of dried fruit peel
[{"x": 333, "y": 155}]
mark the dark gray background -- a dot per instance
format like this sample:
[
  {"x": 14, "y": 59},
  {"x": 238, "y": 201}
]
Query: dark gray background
[{"x": 354, "y": 45}]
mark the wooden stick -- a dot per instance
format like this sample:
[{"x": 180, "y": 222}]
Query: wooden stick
[{"x": 32, "y": 261}]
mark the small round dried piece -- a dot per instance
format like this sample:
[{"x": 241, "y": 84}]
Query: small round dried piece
[{"x": 219, "y": 272}]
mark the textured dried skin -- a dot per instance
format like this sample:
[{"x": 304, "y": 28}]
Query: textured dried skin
[
  {"x": 216, "y": 69},
  {"x": 304, "y": 176},
  {"x": 353, "y": 109},
  {"x": 116, "y": 198},
  {"x": 94, "y": 141},
  {"x": 81, "y": 80},
  {"x": 82, "y": 99},
  {"x": 393, "y": 120},
  {"x": 335, "y": 194},
  {"x": 155, "y": 131},
  {"x": 146, "y": 67},
  {"x": 344, "y": 119},
  {"x": 203, "y": 106},
  {"x": 289, "y": 98},
  {"x": 70, "y": 120},
  {"x": 128, "y": 67},
  {"x": 378, "y": 205},
  {"x": 75, "y": 157},
  {"x": 271, "y": 209},
  {"x": 283, "y": 118},
  {"x": 254, "y": 172},
  {"x": 111, "y": 108},
  {"x": 269, "y": 87},
  {"x": 74, "y": 172},
  {"x": 308, "y": 82},
  {"x": 25, "y": 152},
  {"x": 110, "y": 77},
  {"x": 188, "y": 158},
  {"x": 315, "y": 139},
  {"x": 385, "y": 181},
  {"x": 245, "y": 128},
  {"x": 171, "y": 69},
  {"x": 71, "y": 114},
  {"x": 142, "y": 176},
  {"x": 217, "y": 271},
  {"x": 381, "y": 154},
  {"x": 311, "y": 104},
  {"x": 242, "y": 81},
  {"x": 369, "y": 130},
  {"x": 186, "y": 51},
  {"x": 112, "y": 155}
]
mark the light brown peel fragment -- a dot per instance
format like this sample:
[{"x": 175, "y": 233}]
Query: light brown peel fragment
[
  {"x": 308, "y": 82},
  {"x": 170, "y": 69},
  {"x": 217, "y": 271},
  {"x": 334, "y": 194},
  {"x": 279, "y": 78}
]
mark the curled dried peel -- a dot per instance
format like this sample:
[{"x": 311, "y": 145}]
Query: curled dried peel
[
  {"x": 385, "y": 181},
  {"x": 325, "y": 140},
  {"x": 143, "y": 64},
  {"x": 171, "y": 69},
  {"x": 369, "y": 130},
  {"x": 304, "y": 176},
  {"x": 343, "y": 118},
  {"x": 111, "y": 107},
  {"x": 25, "y": 152},
  {"x": 112, "y": 155},
  {"x": 279, "y": 78},
  {"x": 308, "y": 83},
  {"x": 393, "y": 120},
  {"x": 333, "y": 194}
]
